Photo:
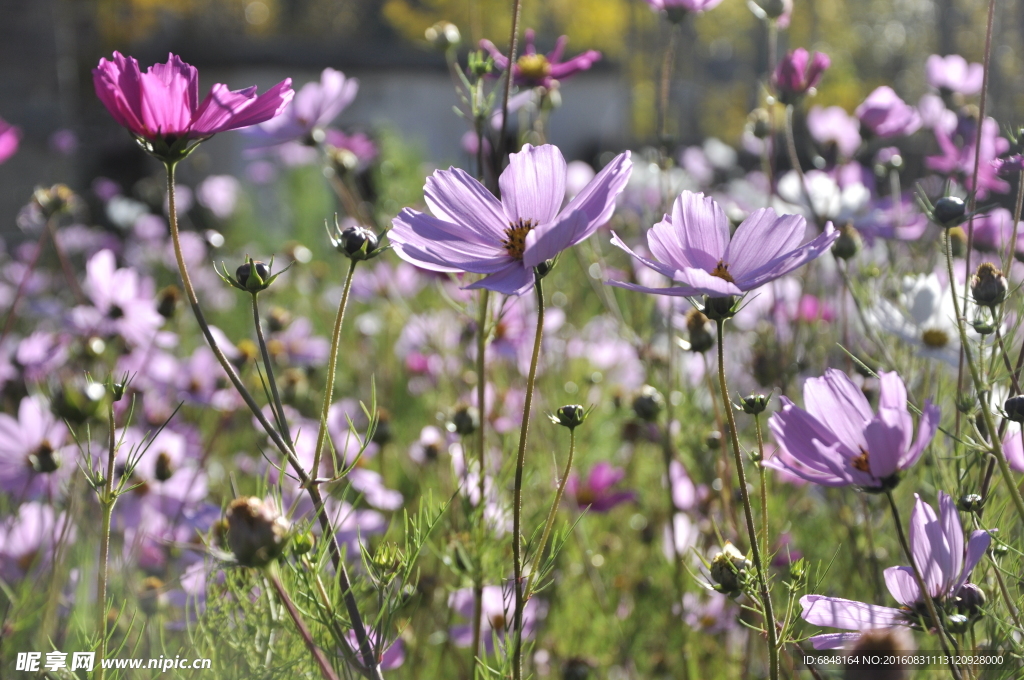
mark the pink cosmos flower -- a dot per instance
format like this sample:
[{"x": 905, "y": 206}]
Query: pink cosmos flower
[
  {"x": 937, "y": 543},
  {"x": 31, "y": 449},
  {"x": 314, "y": 106},
  {"x": 693, "y": 247},
  {"x": 9, "y": 138},
  {"x": 597, "y": 493},
  {"x": 161, "y": 107},
  {"x": 498, "y": 608},
  {"x": 683, "y": 5},
  {"x": 833, "y": 125},
  {"x": 884, "y": 114},
  {"x": 957, "y": 159},
  {"x": 471, "y": 231},
  {"x": 29, "y": 538},
  {"x": 533, "y": 69},
  {"x": 838, "y": 441},
  {"x": 798, "y": 72},
  {"x": 952, "y": 73}
]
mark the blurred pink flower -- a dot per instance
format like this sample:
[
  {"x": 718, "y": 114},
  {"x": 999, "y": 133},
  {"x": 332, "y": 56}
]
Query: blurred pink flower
[
  {"x": 884, "y": 114},
  {"x": 9, "y": 138},
  {"x": 533, "y": 69},
  {"x": 953, "y": 74}
]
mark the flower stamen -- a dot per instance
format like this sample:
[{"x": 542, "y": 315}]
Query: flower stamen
[
  {"x": 722, "y": 272},
  {"x": 515, "y": 241}
]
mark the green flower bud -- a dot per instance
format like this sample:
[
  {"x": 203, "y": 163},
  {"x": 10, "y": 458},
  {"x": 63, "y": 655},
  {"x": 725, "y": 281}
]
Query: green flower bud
[
  {"x": 970, "y": 502},
  {"x": 988, "y": 286},
  {"x": 949, "y": 211},
  {"x": 303, "y": 543},
  {"x": 648, "y": 403},
  {"x": 848, "y": 244},
  {"x": 729, "y": 570},
  {"x": 256, "y": 531},
  {"x": 957, "y": 623},
  {"x": 465, "y": 421},
  {"x": 443, "y": 35},
  {"x": 755, "y": 404},
  {"x": 571, "y": 416},
  {"x": 719, "y": 308}
]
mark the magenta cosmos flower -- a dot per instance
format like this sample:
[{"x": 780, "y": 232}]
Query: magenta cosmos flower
[
  {"x": 953, "y": 74},
  {"x": 683, "y": 5},
  {"x": 838, "y": 441},
  {"x": 471, "y": 231},
  {"x": 161, "y": 107},
  {"x": 937, "y": 543},
  {"x": 9, "y": 138},
  {"x": 533, "y": 69},
  {"x": 314, "y": 106},
  {"x": 693, "y": 247},
  {"x": 597, "y": 493},
  {"x": 884, "y": 114},
  {"x": 798, "y": 72}
]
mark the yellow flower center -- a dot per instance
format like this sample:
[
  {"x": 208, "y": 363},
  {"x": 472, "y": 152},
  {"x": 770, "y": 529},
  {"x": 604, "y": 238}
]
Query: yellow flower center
[
  {"x": 534, "y": 66},
  {"x": 515, "y": 238},
  {"x": 861, "y": 462},
  {"x": 722, "y": 272},
  {"x": 935, "y": 337}
]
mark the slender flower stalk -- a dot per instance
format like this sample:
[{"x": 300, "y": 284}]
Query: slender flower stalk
[
  {"x": 282, "y": 422},
  {"x": 764, "y": 483},
  {"x": 940, "y": 628},
  {"x": 344, "y": 582},
  {"x": 107, "y": 499},
  {"x": 759, "y": 565},
  {"x": 12, "y": 312},
  {"x": 535, "y": 567},
  {"x": 668, "y": 456},
  {"x": 979, "y": 385},
  {"x": 513, "y": 45},
  {"x": 321, "y": 661},
  {"x": 517, "y": 503},
  {"x": 481, "y": 385},
  {"x": 332, "y": 369}
]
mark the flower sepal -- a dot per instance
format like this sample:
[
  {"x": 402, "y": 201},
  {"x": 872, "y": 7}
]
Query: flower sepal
[
  {"x": 357, "y": 243},
  {"x": 252, "y": 277},
  {"x": 170, "y": 150}
]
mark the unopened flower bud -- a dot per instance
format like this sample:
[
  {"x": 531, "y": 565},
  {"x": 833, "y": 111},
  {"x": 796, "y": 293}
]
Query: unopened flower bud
[
  {"x": 755, "y": 404},
  {"x": 970, "y": 502},
  {"x": 729, "y": 569},
  {"x": 982, "y": 327},
  {"x": 571, "y": 416},
  {"x": 759, "y": 123},
  {"x": 648, "y": 404},
  {"x": 77, "y": 400},
  {"x": 957, "y": 623},
  {"x": 164, "y": 470},
  {"x": 356, "y": 242},
  {"x": 53, "y": 200},
  {"x": 383, "y": 433},
  {"x": 969, "y": 600},
  {"x": 773, "y": 9},
  {"x": 988, "y": 285},
  {"x": 701, "y": 339},
  {"x": 151, "y": 596},
  {"x": 713, "y": 440},
  {"x": 544, "y": 268},
  {"x": 576, "y": 669},
  {"x": 443, "y": 35},
  {"x": 480, "y": 64},
  {"x": 303, "y": 543},
  {"x": 949, "y": 211},
  {"x": 256, "y": 533},
  {"x": 278, "y": 319},
  {"x": 999, "y": 549},
  {"x": 1014, "y": 407},
  {"x": 465, "y": 421},
  {"x": 848, "y": 244},
  {"x": 167, "y": 301},
  {"x": 44, "y": 459},
  {"x": 253, "y": 276}
]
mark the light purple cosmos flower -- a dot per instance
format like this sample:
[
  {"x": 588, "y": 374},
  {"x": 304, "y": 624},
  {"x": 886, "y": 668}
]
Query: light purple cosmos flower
[
  {"x": 219, "y": 195},
  {"x": 9, "y": 138},
  {"x": 884, "y": 114},
  {"x": 315, "y": 105},
  {"x": 838, "y": 441},
  {"x": 833, "y": 125},
  {"x": 162, "y": 105},
  {"x": 798, "y": 72},
  {"x": 952, "y": 73},
  {"x": 390, "y": 658},
  {"x": 31, "y": 449},
  {"x": 957, "y": 159},
  {"x": 28, "y": 539},
  {"x": 533, "y": 69},
  {"x": 121, "y": 304},
  {"x": 937, "y": 543},
  {"x": 597, "y": 494},
  {"x": 471, "y": 231},
  {"x": 498, "y": 608},
  {"x": 693, "y": 247}
]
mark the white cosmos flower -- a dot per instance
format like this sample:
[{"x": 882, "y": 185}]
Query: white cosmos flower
[{"x": 924, "y": 317}]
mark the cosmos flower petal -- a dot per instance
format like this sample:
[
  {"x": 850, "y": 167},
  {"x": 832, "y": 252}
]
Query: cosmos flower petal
[
  {"x": 833, "y": 640},
  {"x": 977, "y": 547},
  {"x": 954, "y": 535},
  {"x": 604, "y": 475},
  {"x": 902, "y": 585},
  {"x": 886, "y": 440},
  {"x": 168, "y": 96},
  {"x": 224, "y": 110},
  {"x": 784, "y": 264},
  {"x": 665, "y": 270},
  {"x": 455, "y": 196},
  {"x": 597, "y": 199},
  {"x": 698, "y": 231},
  {"x": 514, "y": 279},
  {"x": 533, "y": 184},
  {"x": 675, "y": 291},
  {"x": 927, "y": 544},
  {"x": 834, "y": 399},
  {"x": 835, "y": 612},
  {"x": 118, "y": 85},
  {"x": 761, "y": 238},
  {"x": 439, "y": 246},
  {"x": 548, "y": 240}
]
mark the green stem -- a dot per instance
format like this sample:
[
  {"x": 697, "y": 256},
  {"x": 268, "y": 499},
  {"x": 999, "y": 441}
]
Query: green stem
[
  {"x": 666, "y": 82},
  {"x": 318, "y": 655},
  {"x": 535, "y": 567},
  {"x": 668, "y": 455},
  {"x": 282, "y": 422},
  {"x": 764, "y": 483},
  {"x": 332, "y": 368},
  {"x": 517, "y": 503},
  {"x": 372, "y": 667},
  {"x": 481, "y": 384},
  {"x": 986, "y": 411},
  {"x": 107, "y": 501},
  {"x": 762, "y": 574},
  {"x": 940, "y": 629},
  {"x": 512, "y": 47}
]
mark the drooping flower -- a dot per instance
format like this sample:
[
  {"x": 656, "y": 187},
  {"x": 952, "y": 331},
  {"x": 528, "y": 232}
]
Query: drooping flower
[
  {"x": 471, "y": 231},
  {"x": 539, "y": 70},
  {"x": 161, "y": 107},
  {"x": 937, "y": 544},
  {"x": 9, "y": 138},
  {"x": 952, "y": 73},
  {"x": 693, "y": 247},
  {"x": 884, "y": 114},
  {"x": 838, "y": 441},
  {"x": 314, "y": 106},
  {"x": 597, "y": 493},
  {"x": 798, "y": 72}
]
